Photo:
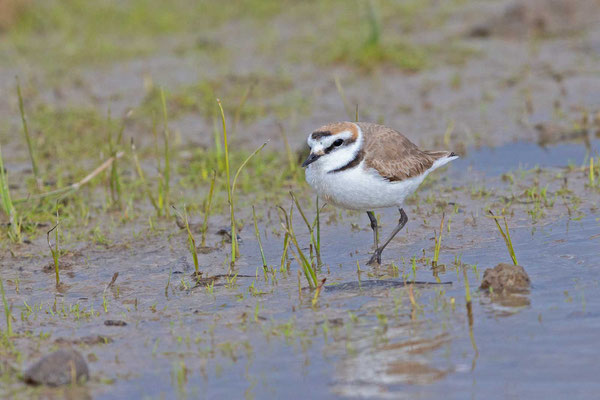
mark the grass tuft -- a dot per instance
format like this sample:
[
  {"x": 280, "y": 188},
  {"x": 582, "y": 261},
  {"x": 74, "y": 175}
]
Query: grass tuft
[
  {"x": 438, "y": 244},
  {"x": 231, "y": 185},
  {"x": 191, "y": 240},
  {"x": 316, "y": 244},
  {"x": 308, "y": 268},
  {"x": 505, "y": 236}
]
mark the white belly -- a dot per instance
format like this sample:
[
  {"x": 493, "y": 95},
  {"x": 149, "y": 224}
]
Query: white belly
[{"x": 361, "y": 189}]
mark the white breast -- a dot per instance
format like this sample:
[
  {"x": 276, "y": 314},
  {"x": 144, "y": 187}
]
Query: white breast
[{"x": 362, "y": 188}]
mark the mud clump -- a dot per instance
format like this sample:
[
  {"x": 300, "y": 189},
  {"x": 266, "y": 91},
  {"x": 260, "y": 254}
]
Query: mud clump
[
  {"x": 58, "y": 368},
  {"x": 62, "y": 266},
  {"x": 115, "y": 322},
  {"x": 524, "y": 18},
  {"x": 505, "y": 278}
]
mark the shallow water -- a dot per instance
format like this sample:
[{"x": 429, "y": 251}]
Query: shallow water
[
  {"x": 258, "y": 337},
  {"x": 524, "y": 155},
  {"x": 544, "y": 346}
]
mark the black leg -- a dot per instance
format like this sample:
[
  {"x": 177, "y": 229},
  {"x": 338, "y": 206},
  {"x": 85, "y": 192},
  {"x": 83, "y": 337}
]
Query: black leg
[
  {"x": 377, "y": 255},
  {"x": 373, "y": 220}
]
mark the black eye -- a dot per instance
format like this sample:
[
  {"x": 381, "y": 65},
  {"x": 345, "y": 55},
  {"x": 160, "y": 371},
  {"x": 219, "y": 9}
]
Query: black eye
[{"x": 338, "y": 142}]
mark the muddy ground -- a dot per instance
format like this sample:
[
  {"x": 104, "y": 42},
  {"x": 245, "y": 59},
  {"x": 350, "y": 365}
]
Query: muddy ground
[{"x": 514, "y": 91}]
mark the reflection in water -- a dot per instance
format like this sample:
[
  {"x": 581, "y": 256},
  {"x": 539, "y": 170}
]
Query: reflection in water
[
  {"x": 402, "y": 360},
  {"x": 504, "y": 305},
  {"x": 469, "y": 307}
]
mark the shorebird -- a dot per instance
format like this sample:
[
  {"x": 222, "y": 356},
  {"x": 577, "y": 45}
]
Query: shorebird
[{"x": 363, "y": 166}]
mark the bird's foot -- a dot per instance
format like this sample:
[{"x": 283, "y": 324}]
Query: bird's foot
[{"x": 375, "y": 258}]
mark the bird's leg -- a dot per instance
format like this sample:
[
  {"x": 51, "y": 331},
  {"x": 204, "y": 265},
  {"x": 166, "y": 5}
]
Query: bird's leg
[
  {"x": 376, "y": 257},
  {"x": 373, "y": 220}
]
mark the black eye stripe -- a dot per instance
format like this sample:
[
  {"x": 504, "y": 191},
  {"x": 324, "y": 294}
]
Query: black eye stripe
[{"x": 344, "y": 143}]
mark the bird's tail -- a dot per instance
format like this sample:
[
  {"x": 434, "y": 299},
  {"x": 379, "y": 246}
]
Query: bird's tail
[
  {"x": 441, "y": 158},
  {"x": 436, "y": 155}
]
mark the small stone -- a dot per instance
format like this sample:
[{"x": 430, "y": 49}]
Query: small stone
[
  {"x": 505, "y": 277},
  {"x": 58, "y": 368}
]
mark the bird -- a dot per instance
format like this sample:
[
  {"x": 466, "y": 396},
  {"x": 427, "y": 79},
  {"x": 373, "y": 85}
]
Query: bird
[{"x": 365, "y": 166}]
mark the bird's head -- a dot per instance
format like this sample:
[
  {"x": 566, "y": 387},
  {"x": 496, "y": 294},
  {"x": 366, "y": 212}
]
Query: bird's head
[{"x": 333, "y": 144}]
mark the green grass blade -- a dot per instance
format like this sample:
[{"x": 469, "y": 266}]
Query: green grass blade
[
  {"x": 142, "y": 177},
  {"x": 318, "y": 243},
  {"x": 229, "y": 187},
  {"x": 207, "y": 208},
  {"x": 505, "y": 236},
  {"x": 167, "y": 168},
  {"x": 54, "y": 249},
  {"x": 191, "y": 240},
  {"x": 309, "y": 226},
  {"x": 7, "y": 204},
  {"x": 257, "y": 233},
  {"x": 34, "y": 166},
  {"x": 244, "y": 164},
  {"x": 438, "y": 243},
  {"x": 6, "y": 310}
]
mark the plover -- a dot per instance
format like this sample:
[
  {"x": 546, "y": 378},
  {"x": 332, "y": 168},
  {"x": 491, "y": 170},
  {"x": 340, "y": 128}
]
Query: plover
[{"x": 364, "y": 166}]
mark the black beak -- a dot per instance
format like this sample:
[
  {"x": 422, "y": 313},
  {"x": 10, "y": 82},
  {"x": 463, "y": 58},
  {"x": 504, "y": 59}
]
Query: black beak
[{"x": 311, "y": 159}]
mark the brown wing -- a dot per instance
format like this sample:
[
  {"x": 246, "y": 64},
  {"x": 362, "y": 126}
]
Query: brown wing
[{"x": 394, "y": 156}]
